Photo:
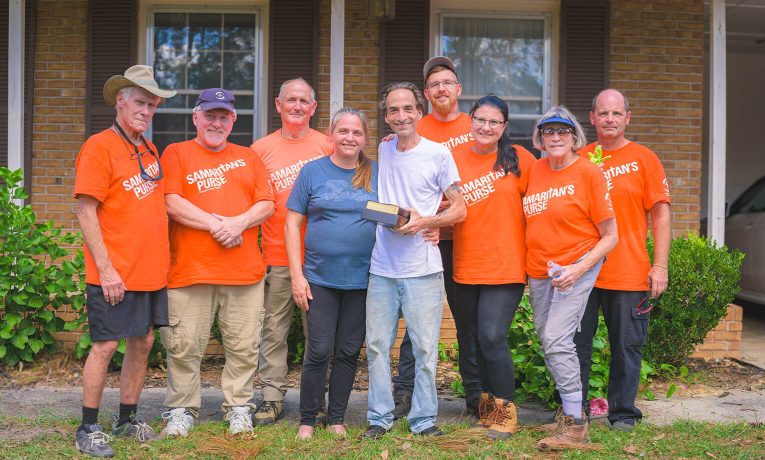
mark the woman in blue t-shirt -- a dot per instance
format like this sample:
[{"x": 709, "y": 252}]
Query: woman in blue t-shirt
[{"x": 331, "y": 285}]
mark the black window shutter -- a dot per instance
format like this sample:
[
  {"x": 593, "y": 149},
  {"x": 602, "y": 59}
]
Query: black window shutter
[
  {"x": 584, "y": 56},
  {"x": 111, "y": 50},
  {"x": 29, "y": 52},
  {"x": 404, "y": 46},
  {"x": 294, "y": 48}
]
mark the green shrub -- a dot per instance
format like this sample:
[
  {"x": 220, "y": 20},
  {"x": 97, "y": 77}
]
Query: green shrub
[
  {"x": 703, "y": 280},
  {"x": 37, "y": 275}
]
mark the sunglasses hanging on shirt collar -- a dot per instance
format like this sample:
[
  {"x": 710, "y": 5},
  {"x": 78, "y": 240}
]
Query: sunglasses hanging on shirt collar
[{"x": 144, "y": 174}]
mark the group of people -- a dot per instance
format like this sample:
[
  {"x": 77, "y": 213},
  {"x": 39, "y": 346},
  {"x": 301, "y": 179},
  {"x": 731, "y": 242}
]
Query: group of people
[{"x": 172, "y": 242}]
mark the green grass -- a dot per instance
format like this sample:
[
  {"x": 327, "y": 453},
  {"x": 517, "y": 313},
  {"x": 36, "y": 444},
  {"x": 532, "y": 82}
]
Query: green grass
[{"x": 54, "y": 438}]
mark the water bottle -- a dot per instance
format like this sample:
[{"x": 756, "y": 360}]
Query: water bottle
[{"x": 554, "y": 271}]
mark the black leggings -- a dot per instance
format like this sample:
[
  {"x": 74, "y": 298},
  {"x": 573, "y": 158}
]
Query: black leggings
[
  {"x": 488, "y": 311},
  {"x": 336, "y": 323}
]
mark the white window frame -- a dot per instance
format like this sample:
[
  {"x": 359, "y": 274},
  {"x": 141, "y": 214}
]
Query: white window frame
[
  {"x": 259, "y": 110},
  {"x": 547, "y": 10}
]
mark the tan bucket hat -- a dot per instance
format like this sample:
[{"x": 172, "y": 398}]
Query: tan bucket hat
[{"x": 138, "y": 75}]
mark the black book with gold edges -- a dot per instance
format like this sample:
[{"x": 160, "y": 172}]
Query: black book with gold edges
[{"x": 389, "y": 215}]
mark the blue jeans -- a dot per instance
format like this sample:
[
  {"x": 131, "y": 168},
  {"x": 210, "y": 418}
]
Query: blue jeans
[{"x": 421, "y": 301}]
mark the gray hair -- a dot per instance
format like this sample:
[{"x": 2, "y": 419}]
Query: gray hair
[
  {"x": 198, "y": 108},
  {"x": 390, "y": 87},
  {"x": 295, "y": 80},
  {"x": 559, "y": 111},
  {"x": 624, "y": 96}
]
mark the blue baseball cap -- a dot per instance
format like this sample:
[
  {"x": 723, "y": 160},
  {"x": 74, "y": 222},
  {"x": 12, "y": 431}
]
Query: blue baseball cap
[
  {"x": 550, "y": 120},
  {"x": 216, "y": 98}
]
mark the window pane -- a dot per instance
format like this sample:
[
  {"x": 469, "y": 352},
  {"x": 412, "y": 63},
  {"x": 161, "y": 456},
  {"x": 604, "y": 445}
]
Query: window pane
[
  {"x": 205, "y": 31},
  {"x": 504, "y": 56},
  {"x": 238, "y": 70},
  {"x": 239, "y": 32},
  {"x": 204, "y": 70},
  {"x": 194, "y": 51}
]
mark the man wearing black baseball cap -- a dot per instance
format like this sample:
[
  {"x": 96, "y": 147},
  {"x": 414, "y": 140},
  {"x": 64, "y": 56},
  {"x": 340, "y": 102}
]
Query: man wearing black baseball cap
[{"x": 217, "y": 193}]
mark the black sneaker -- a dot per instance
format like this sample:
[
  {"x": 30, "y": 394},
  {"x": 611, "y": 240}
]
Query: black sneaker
[
  {"x": 403, "y": 405},
  {"x": 91, "y": 440},
  {"x": 135, "y": 428},
  {"x": 431, "y": 431},
  {"x": 374, "y": 432}
]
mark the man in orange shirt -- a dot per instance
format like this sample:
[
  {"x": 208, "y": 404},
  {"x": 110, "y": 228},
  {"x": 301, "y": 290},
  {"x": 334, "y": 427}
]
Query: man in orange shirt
[
  {"x": 628, "y": 282},
  {"x": 217, "y": 193},
  {"x": 451, "y": 128},
  {"x": 283, "y": 152},
  {"x": 124, "y": 228}
]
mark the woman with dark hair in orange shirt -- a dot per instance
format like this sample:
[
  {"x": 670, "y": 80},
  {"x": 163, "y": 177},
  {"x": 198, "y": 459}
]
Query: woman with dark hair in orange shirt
[{"x": 489, "y": 254}]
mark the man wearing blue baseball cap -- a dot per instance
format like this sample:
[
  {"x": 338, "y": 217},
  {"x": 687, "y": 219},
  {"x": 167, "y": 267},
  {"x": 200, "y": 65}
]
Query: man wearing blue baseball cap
[{"x": 217, "y": 193}]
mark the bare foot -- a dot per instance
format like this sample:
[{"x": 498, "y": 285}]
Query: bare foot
[
  {"x": 304, "y": 432},
  {"x": 338, "y": 430}
]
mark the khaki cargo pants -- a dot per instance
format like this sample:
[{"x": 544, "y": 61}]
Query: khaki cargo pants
[{"x": 239, "y": 310}]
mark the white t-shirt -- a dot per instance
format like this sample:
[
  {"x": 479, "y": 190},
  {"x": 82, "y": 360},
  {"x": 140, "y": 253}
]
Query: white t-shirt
[{"x": 414, "y": 179}]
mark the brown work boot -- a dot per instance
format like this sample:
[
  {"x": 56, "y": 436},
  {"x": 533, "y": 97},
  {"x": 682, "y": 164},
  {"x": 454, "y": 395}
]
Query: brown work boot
[
  {"x": 269, "y": 412},
  {"x": 486, "y": 410},
  {"x": 505, "y": 422},
  {"x": 571, "y": 434},
  {"x": 552, "y": 426}
]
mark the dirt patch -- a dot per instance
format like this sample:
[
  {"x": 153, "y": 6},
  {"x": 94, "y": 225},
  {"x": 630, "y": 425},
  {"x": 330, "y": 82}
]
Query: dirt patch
[
  {"x": 62, "y": 370},
  {"x": 21, "y": 433},
  {"x": 712, "y": 377}
]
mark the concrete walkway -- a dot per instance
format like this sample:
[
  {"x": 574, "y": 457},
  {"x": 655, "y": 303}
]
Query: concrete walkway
[{"x": 734, "y": 406}]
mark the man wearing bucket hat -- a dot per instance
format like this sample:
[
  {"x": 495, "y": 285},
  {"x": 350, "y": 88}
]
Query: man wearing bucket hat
[
  {"x": 217, "y": 193},
  {"x": 121, "y": 210}
]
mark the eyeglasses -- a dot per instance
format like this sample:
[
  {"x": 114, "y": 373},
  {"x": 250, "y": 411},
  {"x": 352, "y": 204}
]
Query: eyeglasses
[
  {"x": 558, "y": 131},
  {"x": 647, "y": 304},
  {"x": 449, "y": 84},
  {"x": 144, "y": 174},
  {"x": 478, "y": 122}
]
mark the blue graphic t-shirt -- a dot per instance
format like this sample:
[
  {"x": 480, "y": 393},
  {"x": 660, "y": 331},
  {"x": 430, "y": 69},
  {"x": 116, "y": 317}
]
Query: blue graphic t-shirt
[{"x": 338, "y": 241}]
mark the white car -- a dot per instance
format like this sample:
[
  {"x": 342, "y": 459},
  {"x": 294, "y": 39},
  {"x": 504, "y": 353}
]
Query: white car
[{"x": 745, "y": 231}]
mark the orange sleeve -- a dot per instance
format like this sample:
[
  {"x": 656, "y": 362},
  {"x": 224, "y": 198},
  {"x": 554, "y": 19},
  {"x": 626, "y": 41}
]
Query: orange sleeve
[
  {"x": 171, "y": 168},
  {"x": 656, "y": 185},
  {"x": 600, "y": 200},
  {"x": 263, "y": 191},
  {"x": 92, "y": 176}
]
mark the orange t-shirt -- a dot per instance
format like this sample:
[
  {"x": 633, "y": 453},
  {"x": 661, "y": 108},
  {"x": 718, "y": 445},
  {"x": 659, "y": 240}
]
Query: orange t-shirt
[
  {"x": 489, "y": 246},
  {"x": 131, "y": 212},
  {"x": 228, "y": 183},
  {"x": 283, "y": 159},
  {"x": 637, "y": 181},
  {"x": 450, "y": 134},
  {"x": 562, "y": 209}
]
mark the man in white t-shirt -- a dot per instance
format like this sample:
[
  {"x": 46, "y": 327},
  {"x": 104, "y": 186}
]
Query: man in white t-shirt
[{"x": 406, "y": 274}]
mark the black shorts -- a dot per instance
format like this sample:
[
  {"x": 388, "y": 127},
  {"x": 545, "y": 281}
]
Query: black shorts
[{"x": 133, "y": 317}]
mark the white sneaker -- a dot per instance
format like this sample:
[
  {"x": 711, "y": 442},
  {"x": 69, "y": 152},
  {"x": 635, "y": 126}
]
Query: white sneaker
[
  {"x": 179, "y": 422},
  {"x": 239, "y": 419}
]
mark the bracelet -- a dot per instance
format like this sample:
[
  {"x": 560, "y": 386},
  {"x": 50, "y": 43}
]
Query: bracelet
[{"x": 662, "y": 266}]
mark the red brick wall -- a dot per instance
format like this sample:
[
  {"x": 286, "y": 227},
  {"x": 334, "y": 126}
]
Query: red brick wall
[
  {"x": 656, "y": 58},
  {"x": 58, "y": 126},
  {"x": 724, "y": 341}
]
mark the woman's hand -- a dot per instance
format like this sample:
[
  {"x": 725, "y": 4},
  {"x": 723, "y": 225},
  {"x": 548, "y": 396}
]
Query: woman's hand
[
  {"x": 571, "y": 273},
  {"x": 301, "y": 291}
]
